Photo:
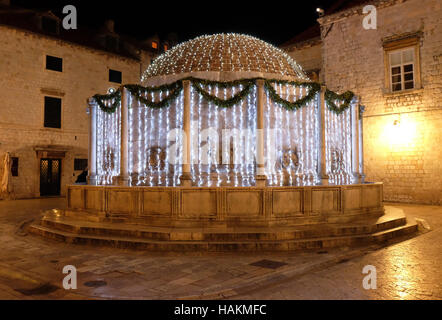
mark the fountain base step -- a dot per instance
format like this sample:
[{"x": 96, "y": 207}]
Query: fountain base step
[{"x": 58, "y": 226}]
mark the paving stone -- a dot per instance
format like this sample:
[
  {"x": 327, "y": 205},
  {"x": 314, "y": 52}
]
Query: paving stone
[{"x": 406, "y": 270}]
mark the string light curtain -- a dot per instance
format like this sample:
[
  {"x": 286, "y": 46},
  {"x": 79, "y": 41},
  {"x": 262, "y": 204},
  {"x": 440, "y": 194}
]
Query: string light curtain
[
  {"x": 153, "y": 160},
  {"x": 223, "y": 139},
  {"x": 223, "y": 148},
  {"x": 295, "y": 137},
  {"x": 338, "y": 141},
  {"x": 108, "y": 144}
]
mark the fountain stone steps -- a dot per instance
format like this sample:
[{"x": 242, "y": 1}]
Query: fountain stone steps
[
  {"x": 224, "y": 246},
  {"x": 127, "y": 235}
]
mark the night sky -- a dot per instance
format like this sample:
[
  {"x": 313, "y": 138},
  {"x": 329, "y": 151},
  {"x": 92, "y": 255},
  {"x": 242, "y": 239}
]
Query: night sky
[{"x": 272, "y": 21}]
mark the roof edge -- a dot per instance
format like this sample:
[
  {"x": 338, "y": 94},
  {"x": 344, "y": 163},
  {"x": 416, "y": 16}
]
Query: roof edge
[{"x": 357, "y": 9}]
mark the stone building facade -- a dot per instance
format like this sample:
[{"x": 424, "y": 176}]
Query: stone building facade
[
  {"x": 306, "y": 49},
  {"x": 28, "y": 83},
  {"x": 396, "y": 70}
]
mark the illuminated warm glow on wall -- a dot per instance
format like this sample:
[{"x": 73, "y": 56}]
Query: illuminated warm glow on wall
[{"x": 400, "y": 132}]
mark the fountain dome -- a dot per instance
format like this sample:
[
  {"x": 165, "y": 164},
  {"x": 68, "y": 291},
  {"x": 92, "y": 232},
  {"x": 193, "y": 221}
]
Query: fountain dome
[{"x": 223, "y": 57}]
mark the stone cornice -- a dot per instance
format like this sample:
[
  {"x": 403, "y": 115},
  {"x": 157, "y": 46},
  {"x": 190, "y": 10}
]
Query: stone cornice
[
  {"x": 303, "y": 44},
  {"x": 379, "y": 4},
  {"x": 410, "y": 36},
  {"x": 71, "y": 43}
]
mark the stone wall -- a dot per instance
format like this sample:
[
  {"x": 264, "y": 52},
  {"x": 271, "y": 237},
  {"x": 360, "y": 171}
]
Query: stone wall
[
  {"x": 308, "y": 56},
  {"x": 24, "y": 82},
  {"x": 406, "y": 156}
]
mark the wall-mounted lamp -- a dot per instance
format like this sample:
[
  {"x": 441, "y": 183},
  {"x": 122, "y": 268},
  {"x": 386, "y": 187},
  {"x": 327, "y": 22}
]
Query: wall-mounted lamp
[
  {"x": 320, "y": 11},
  {"x": 401, "y": 132}
]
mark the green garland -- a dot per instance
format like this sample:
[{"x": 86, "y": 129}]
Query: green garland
[
  {"x": 248, "y": 84},
  {"x": 220, "y": 84},
  {"x": 331, "y": 97},
  {"x": 176, "y": 87},
  {"x": 137, "y": 91},
  {"x": 313, "y": 86},
  {"x": 99, "y": 98}
]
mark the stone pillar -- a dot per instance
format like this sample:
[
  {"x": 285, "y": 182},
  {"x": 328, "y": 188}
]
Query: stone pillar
[
  {"x": 260, "y": 161},
  {"x": 322, "y": 170},
  {"x": 355, "y": 141},
  {"x": 123, "y": 178},
  {"x": 361, "y": 110},
  {"x": 92, "y": 159},
  {"x": 186, "y": 178}
]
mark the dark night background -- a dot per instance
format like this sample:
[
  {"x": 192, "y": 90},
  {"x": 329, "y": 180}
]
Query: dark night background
[{"x": 272, "y": 21}]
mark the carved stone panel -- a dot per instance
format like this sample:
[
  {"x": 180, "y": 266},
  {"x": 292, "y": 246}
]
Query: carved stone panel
[
  {"x": 371, "y": 196},
  {"x": 75, "y": 198},
  {"x": 325, "y": 200},
  {"x": 156, "y": 158},
  {"x": 337, "y": 161},
  {"x": 352, "y": 198},
  {"x": 287, "y": 203},
  {"x": 198, "y": 203},
  {"x": 244, "y": 203},
  {"x": 122, "y": 202},
  {"x": 94, "y": 198},
  {"x": 157, "y": 202},
  {"x": 290, "y": 159}
]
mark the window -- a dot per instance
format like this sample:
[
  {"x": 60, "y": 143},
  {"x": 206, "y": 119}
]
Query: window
[
  {"x": 154, "y": 44},
  {"x": 115, "y": 76},
  {"x": 52, "y": 112},
  {"x": 14, "y": 166},
  {"x": 402, "y": 62},
  {"x": 80, "y": 164},
  {"x": 166, "y": 47},
  {"x": 49, "y": 25},
  {"x": 54, "y": 63},
  {"x": 402, "y": 69}
]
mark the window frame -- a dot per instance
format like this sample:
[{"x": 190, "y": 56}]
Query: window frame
[
  {"x": 14, "y": 169},
  {"x": 401, "y": 65},
  {"x": 46, "y": 63},
  {"x": 43, "y": 112},
  {"x": 402, "y": 44},
  {"x": 81, "y": 160},
  {"x": 109, "y": 76}
]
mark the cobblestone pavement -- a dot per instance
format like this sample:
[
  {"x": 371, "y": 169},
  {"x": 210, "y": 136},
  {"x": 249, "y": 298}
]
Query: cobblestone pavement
[
  {"x": 31, "y": 267},
  {"x": 408, "y": 270}
]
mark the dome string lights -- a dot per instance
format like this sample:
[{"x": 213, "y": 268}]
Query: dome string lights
[{"x": 224, "y": 53}]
